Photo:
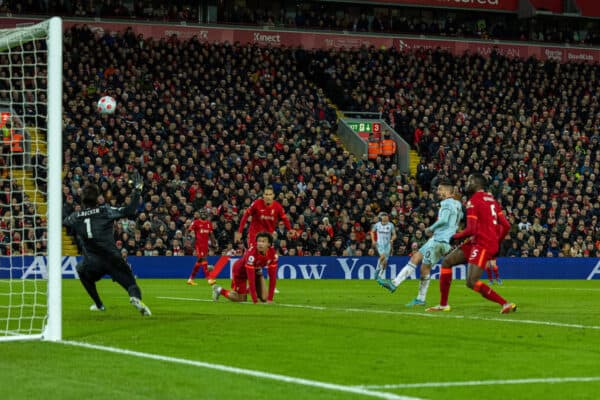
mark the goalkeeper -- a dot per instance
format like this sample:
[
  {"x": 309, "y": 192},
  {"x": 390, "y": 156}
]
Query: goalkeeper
[{"x": 93, "y": 227}]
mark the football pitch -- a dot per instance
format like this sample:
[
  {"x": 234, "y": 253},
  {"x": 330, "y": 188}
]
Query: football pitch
[{"x": 329, "y": 339}]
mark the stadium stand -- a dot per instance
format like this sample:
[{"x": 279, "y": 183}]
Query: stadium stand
[
  {"x": 272, "y": 126},
  {"x": 535, "y": 140},
  {"x": 210, "y": 124},
  {"x": 208, "y": 129},
  {"x": 345, "y": 16}
]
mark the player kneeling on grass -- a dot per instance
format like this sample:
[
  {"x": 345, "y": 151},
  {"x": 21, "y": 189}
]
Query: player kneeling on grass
[
  {"x": 94, "y": 228},
  {"x": 248, "y": 276}
]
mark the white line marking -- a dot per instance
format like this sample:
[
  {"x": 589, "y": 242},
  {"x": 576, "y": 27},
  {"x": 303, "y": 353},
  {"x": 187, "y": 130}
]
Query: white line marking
[
  {"x": 419, "y": 314},
  {"x": 483, "y": 383},
  {"x": 552, "y": 288},
  {"x": 242, "y": 371}
]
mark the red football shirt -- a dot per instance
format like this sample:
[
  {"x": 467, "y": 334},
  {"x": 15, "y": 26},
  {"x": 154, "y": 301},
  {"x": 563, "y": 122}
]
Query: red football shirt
[
  {"x": 484, "y": 214},
  {"x": 202, "y": 229},
  {"x": 264, "y": 219},
  {"x": 253, "y": 260}
]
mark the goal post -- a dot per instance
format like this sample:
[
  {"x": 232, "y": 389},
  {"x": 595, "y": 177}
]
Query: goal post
[
  {"x": 31, "y": 182},
  {"x": 53, "y": 328}
]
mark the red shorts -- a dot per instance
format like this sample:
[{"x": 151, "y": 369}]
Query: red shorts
[
  {"x": 239, "y": 281},
  {"x": 476, "y": 254},
  {"x": 201, "y": 252}
]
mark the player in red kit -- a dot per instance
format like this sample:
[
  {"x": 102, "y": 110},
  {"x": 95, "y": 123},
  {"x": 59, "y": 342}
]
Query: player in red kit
[
  {"x": 493, "y": 271},
  {"x": 266, "y": 213},
  {"x": 203, "y": 229},
  {"x": 248, "y": 275},
  {"x": 486, "y": 228}
]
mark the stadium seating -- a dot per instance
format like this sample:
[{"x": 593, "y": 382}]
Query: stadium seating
[
  {"x": 349, "y": 16},
  {"x": 210, "y": 124},
  {"x": 535, "y": 141},
  {"x": 233, "y": 118}
]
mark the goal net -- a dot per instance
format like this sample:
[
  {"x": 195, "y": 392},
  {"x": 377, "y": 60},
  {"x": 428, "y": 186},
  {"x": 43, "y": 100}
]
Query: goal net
[{"x": 30, "y": 181}]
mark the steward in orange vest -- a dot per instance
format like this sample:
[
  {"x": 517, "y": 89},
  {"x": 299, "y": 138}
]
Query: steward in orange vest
[
  {"x": 16, "y": 148},
  {"x": 374, "y": 149},
  {"x": 17, "y": 143},
  {"x": 388, "y": 147}
]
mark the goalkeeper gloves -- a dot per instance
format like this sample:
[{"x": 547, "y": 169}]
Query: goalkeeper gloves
[{"x": 136, "y": 181}]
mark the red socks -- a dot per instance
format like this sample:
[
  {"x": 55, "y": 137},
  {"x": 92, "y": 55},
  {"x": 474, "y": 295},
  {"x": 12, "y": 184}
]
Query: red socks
[
  {"x": 203, "y": 264},
  {"x": 445, "y": 282},
  {"x": 480, "y": 287},
  {"x": 488, "y": 293},
  {"x": 195, "y": 270}
]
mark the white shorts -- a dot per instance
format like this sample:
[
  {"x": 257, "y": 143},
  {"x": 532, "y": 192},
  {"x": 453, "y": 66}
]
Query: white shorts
[
  {"x": 384, "y": 249},
  {"x": 433, "y": 250}
]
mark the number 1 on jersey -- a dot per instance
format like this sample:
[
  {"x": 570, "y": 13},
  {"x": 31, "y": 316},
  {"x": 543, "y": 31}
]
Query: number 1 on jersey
[{"x": 88, "y": 228}]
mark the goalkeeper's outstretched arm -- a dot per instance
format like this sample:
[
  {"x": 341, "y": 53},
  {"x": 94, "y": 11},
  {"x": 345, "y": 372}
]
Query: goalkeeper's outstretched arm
[{"x": 136, "y": 182}]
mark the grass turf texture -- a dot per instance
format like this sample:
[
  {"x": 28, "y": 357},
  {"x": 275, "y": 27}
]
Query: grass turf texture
[{"x": 348, "y": 333}]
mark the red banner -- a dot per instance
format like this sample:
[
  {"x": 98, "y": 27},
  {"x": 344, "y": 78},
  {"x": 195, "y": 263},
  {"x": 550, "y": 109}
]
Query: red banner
[
  {"x": 318, "y": 40},
  {"x": 312, "y": 40},
  {"x": 506, "y": 5},
  {"x": 588, "y": 8}
]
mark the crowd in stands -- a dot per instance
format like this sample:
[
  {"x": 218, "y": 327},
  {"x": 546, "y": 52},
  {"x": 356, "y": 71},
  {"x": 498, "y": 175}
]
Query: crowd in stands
[
  {"x": 332, "y": 16},
  {"x": 210, "y": 125},
  {"x": 22, "y": 225},
  {"x": 212, "y": 136},
  {"x": 533, "y": 128}
]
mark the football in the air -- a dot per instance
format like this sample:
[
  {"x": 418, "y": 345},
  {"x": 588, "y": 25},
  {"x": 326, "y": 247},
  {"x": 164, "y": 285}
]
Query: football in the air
[{"x": 107, "y": 105}]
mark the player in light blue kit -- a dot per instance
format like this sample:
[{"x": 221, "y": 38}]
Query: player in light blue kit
[
  {"x": 449, "y": 217},
  {"x": 383, "y": 235}
]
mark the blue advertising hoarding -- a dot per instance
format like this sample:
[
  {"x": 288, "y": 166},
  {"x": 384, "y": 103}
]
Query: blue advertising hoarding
[{"x": 314, "y": 267}]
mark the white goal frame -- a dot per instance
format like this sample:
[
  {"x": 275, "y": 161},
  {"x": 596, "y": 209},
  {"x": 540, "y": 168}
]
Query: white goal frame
[{"x": 51, "y": 30}]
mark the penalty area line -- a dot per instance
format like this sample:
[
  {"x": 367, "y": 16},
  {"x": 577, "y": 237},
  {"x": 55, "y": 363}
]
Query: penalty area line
[
  {"x": 243, "y": 371},
  {"x": 484, "y": 383}
]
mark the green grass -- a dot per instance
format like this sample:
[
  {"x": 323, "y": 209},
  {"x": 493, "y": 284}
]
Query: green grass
[{"x": 354, "y": 334}]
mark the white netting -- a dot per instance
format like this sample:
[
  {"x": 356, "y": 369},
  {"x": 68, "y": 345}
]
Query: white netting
[{"x": 23, "y": 187}]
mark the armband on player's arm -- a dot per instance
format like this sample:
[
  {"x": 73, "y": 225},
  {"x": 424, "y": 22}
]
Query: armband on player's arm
[
  {"x": 272, "y": 270},
  {"x": 251, "y": 273}
]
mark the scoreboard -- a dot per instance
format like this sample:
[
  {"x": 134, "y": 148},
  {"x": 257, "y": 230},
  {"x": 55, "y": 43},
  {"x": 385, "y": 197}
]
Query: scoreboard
[{"x": 366, "y": 128}]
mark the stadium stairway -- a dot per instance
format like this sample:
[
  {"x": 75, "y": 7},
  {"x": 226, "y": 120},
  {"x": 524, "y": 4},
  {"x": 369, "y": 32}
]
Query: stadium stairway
[
  {"x": 339, "y": 116},
  {"x": 414, "y": 155},
  {"x": 69, "y": 248},
  {"x": 414, "y": 162},
  {"x": 26, "y": 180}
]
